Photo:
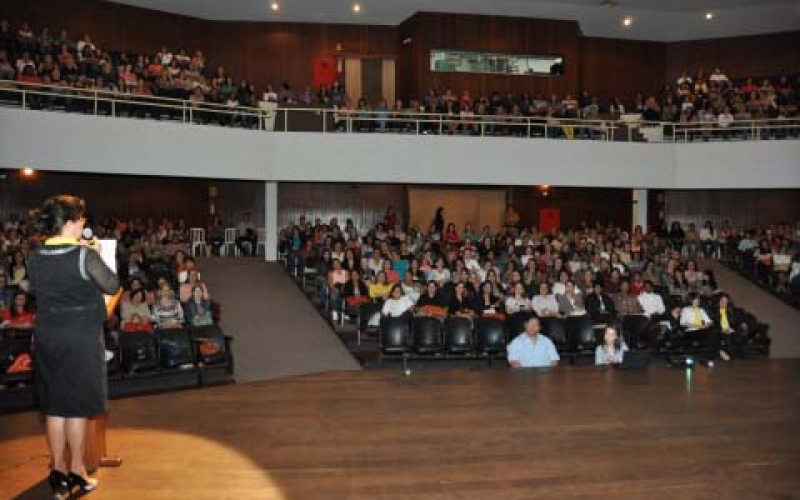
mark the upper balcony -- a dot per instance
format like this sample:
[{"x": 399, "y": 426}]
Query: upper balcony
[{"x": 59, "y": 128}]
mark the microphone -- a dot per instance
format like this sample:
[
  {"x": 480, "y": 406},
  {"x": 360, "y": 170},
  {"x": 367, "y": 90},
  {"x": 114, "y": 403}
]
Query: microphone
[{"x": 91, "y": 240}]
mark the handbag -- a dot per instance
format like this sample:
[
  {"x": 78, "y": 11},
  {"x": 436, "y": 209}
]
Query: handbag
[
  {"x": 435, "y": 311},
  {"x": 356, "y": 300}
]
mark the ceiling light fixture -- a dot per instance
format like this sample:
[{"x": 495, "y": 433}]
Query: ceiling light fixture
[
  {"x": 627, "y": 21},
  {"x": 709, "y": 15},
  {"x": 275, "y": 6},
  {"x": 356, "y": 8}
]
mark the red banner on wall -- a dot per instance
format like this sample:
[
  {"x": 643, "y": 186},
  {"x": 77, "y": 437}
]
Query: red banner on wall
[
  {"x": 549, "y": 219},
  {"x": 325, "y": 71}
]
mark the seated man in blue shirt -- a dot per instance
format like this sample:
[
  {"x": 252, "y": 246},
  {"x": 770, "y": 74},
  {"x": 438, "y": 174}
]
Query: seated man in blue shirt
[{"x": 530, "y": 349}]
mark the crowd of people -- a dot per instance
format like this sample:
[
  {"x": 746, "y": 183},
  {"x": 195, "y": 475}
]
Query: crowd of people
[
  {"x": 162, "y": 283},
  {"x": 602, "y": 272},
  {"x": 42, "y": 56},
  {"x": 770, "y": 256}
]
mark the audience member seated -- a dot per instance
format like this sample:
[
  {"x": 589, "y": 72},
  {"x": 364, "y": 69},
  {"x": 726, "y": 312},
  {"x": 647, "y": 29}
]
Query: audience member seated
[
  {"x": 652, "y": 304},
  {"x": 216, "y": 235},
  {"x": 246, "y": 232},
  {"x": 733, "y": 330},
  {"x": 532, "y": 349},
  {"x": 570, "y": 303},
  {"x": 462, "y": 302},
  {"x": 600, "y": 306},
  {"x": 697, "y": 326},
  {"x": 411, "y": 288},
  {"x": 544, "y": 303},
  {"x": 626, "y": 303},
  {"x": 355, "y": 290},
  {"x": 336, "y": 280},
  {"x": 198, "y": 307},
  {"x": 19, "y": 314},
  {"x": 137, "y": 306},
  {"x": 612, "y": 350},
  {"x": 518, "y": 302},
  {"x": 397, "y": 304},
  {"x": 380, "y": 289},
  {"x": 187, "y": 287},
  {"x": 487, "y": 303},
  {"x": 167, "y": 311},
  {"x": 430, "y": 300}
]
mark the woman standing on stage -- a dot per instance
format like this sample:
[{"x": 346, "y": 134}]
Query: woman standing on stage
[{"x": 69, "y": 278}]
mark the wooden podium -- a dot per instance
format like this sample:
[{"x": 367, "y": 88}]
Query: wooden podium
[{"x": 95, "y": 455}]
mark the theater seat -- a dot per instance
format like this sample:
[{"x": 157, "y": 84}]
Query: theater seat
[
  {"x": 458, "y": 337},
  {"x": 490, "y": 337},
  {"x": 427, "y": 335},
  {"x": 581, "y": 335},
  {"x": 394, "y": 337},
  {"x": 555, "y": 329},
  {"x": 636, "y": 331}
]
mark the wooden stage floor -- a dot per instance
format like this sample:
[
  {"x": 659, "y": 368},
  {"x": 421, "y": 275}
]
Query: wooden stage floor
[{"x": 729, "y": 433}]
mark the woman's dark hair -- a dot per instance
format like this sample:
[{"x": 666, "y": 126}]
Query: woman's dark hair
[
  {"x": 25, "y": 309},
  {"x": 395, "y": 288},
  {"x": 195, "y": 288},
  {"x": 139, "y": 291},
  {"x": 59, "y": 210}
]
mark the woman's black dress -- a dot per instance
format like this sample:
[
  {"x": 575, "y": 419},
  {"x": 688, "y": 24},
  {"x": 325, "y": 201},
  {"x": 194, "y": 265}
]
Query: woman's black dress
[{"x": 69, "y": 349}]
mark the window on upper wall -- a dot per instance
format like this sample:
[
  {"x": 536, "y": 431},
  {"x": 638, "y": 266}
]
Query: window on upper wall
[{"x": 459, "y": 61}]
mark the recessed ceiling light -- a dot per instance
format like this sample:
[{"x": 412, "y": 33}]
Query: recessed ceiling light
[
  {"x": 275, "y": 6},
  {"x": 627, "y": 21},
  {"x": 28, "y": 172},
  {"x": 356, "y": 7},
  {"x": 709, "y": 15}
]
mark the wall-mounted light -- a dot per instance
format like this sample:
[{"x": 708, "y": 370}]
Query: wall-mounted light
[
  {"x": 627, "y": 21},
  {"x": 28, "y": 172},
  {"x": 356, "y": 7},
  {"x": 275, "y": 6}
]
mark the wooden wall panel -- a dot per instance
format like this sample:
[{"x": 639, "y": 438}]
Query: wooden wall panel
[
  {"x": 364, "y": 203},
  {"x": 112, "y": 26},
  {"x": 478, "y": 207},
  {"x": 134, "y": 196},
  {"x": 621, "y": 68},
  {"x": 487, "y": 33},
  {"x": 760, "y": 55},
  {"x": 109, "y": 195},
  {"x": 744, "y": 208},
  {"x": 260, "y": 52},
  {"x": 577, "y": 205},
  {"x": 277, "y": 52}
]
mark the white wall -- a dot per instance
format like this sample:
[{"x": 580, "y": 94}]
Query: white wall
[{"x": 71, "y": 142}]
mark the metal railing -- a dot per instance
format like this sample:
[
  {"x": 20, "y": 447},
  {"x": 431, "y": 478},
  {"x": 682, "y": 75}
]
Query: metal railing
[{"x": 270, "y": 117}]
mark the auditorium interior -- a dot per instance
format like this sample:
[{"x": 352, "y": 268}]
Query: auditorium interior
[{"x": 338, "y": 223}]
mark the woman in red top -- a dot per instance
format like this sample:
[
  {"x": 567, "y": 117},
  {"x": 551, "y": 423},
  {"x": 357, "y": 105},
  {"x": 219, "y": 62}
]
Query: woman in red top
[
  {"x": 19, "y": 315},
  {"x": 451, "y": 236}
]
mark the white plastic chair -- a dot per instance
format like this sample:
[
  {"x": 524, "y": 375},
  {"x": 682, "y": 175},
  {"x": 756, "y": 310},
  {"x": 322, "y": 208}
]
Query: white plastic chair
[
  {"x": 229, "y": 242},
  {"x": 197, "y": 238},
  {"x": 262, "y": 240}
]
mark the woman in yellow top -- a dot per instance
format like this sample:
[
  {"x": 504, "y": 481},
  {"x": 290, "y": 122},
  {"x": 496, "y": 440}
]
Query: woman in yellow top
[{"x": 380, "y": 288}]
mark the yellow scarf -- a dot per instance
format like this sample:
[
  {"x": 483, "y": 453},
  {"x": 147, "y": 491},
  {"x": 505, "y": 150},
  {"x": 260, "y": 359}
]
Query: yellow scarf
[{"x": 60, "y": 240}]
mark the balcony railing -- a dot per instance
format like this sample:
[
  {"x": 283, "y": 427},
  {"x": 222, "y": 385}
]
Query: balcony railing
[{"x": 270, "y": 117}]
